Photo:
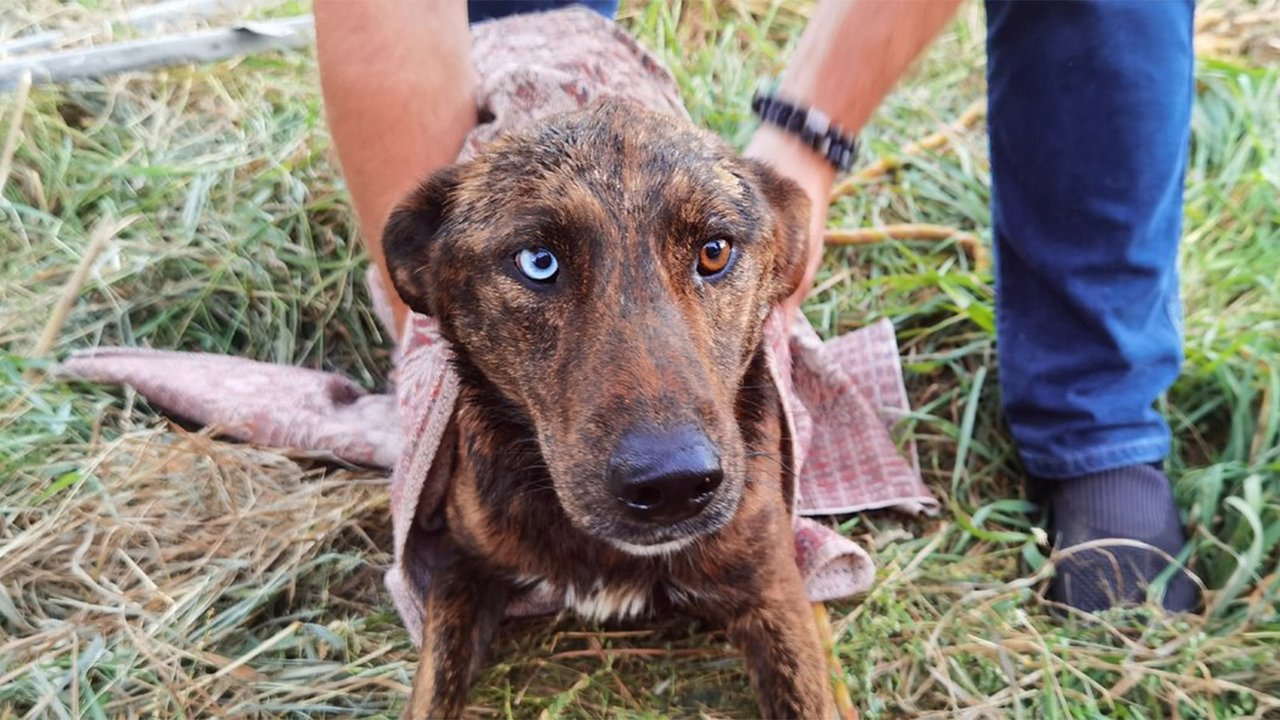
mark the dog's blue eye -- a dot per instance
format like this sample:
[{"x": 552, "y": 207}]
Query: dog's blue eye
[{"x": 538, "y": 264}]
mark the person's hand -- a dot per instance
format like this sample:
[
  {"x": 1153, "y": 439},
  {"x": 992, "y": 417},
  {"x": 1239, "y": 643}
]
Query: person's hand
[
  {"x": 792, "y": 159},
  {"x": 849, "y": 57}
]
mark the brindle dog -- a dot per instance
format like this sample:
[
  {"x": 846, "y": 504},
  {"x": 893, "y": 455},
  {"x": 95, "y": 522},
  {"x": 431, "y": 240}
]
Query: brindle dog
[{"x": 604, "y": 278}]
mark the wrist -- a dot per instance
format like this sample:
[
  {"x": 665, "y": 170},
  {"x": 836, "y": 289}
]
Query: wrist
[
  {"x": 813, "y": 128},
  {"x": 788, "y": 155}
]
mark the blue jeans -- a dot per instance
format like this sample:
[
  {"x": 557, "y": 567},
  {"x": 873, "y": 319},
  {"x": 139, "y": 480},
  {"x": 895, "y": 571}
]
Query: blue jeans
[
  {"x": 479, "y": 10},
  {"x": 1089, "y": 121}
]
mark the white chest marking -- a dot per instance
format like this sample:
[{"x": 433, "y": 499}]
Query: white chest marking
[{"x": 603, "y": 603}]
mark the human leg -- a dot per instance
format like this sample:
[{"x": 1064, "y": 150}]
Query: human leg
[
  {"x": 480, "y": 10},
  {"x": 1089, "y": 125}
]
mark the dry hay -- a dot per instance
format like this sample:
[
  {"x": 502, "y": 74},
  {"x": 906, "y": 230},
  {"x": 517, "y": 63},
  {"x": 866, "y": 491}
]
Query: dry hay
[
  {"x": 181, "y": 554},
  {"x": 1240, "y": 31}
]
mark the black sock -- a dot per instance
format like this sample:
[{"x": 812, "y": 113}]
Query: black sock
[{"x": 1130, "y": 503}]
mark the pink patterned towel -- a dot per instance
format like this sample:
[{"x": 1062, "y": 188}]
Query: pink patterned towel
[{"x": 841, "y": 397}]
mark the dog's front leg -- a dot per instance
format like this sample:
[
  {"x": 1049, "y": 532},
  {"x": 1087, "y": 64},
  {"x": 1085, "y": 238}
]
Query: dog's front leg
[
  {"x": 779, "y": 640},
  {"x": 464, "y": 606}
]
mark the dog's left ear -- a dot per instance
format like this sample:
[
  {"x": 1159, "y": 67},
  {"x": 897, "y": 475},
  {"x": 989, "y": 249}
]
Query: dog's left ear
[
  {"x": 790, "y": 208},
  {"x": 408, "y": 235}
]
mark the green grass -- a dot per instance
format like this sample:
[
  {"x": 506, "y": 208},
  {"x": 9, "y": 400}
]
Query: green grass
[{"x": 150, "y": 571}]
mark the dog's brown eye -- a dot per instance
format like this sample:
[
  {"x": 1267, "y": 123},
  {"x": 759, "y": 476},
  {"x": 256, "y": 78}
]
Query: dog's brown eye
[{"x": 714, "y": 256}]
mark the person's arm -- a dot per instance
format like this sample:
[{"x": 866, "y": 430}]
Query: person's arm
[
  {"x": 399, "y": 93},
  {"x": 851, "y": 55}
]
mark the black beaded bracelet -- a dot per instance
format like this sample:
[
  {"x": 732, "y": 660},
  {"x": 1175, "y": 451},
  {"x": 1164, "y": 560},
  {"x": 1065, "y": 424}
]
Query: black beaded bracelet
[{"x": 813, "y": 127}]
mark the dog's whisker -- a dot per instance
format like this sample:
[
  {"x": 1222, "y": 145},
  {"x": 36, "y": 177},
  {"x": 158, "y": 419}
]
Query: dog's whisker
[{"x": 767, "y": 456}]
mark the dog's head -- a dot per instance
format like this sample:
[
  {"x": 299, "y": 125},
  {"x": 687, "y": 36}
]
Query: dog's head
[{"x": 608, "y": 273}]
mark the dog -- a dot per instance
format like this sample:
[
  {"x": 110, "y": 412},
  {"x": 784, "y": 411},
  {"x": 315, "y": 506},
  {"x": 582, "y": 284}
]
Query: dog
[{"x": 604, "y": 277}]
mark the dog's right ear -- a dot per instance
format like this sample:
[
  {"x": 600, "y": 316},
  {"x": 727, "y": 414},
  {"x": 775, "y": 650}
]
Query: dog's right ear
[
  {"x": 791, "y": 209},
  {"x": 408, "y": 235}
]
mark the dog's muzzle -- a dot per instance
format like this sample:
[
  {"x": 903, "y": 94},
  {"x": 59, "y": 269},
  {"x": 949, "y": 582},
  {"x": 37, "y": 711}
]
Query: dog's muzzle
[{"x": 664, "y": 476}]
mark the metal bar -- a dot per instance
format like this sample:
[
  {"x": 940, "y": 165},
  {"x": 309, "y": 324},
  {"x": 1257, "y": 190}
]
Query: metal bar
[
  {"x": 143, "y": 18},
  {"x": 197, "y": 47}
]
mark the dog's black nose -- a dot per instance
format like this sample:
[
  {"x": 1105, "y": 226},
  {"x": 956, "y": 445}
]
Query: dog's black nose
[{"x": 665, "y": 476}]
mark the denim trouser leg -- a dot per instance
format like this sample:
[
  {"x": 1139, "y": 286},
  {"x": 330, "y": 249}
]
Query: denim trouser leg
[
  {"x": 480, "y": 10},
  {"x": 1089, "y": 127}
]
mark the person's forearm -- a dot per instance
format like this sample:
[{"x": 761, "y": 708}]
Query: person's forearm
[
  {"x": 399, "y": 94},
  {"x": 853, "y": 52},
  {"x": 851, "y": 55}
]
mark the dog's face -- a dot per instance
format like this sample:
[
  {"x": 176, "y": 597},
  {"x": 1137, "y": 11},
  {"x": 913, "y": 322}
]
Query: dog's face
[{"x": 608, "y": 273}]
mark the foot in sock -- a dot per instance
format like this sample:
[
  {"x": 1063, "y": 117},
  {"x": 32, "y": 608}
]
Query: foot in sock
[{"x": 1129, "y": 503}]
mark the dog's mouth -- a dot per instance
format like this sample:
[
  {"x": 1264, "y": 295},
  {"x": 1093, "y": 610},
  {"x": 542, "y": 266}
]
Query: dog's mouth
[{"x": 648, "y": 540}]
